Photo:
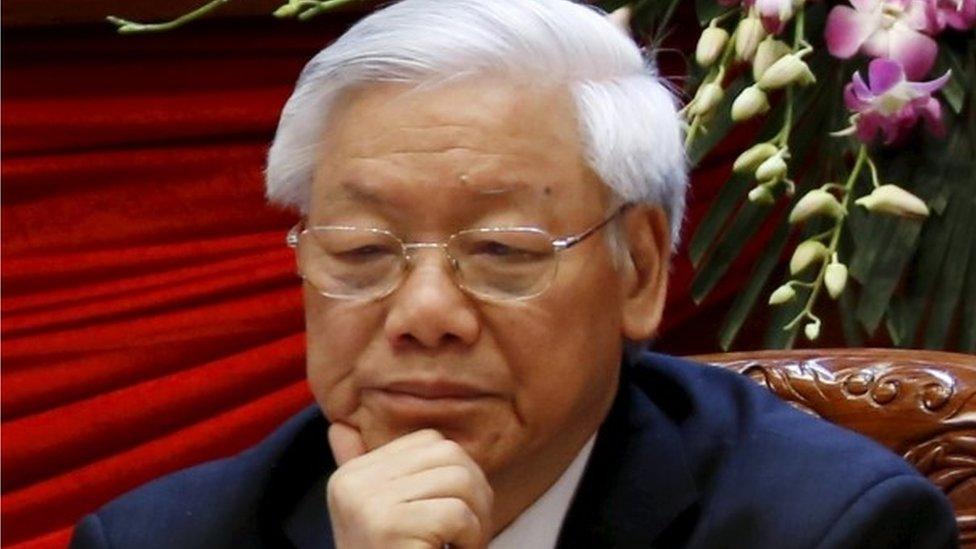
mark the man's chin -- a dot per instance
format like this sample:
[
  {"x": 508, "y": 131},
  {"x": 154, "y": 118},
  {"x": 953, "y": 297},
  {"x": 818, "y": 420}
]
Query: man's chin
[{"x": 479, "y": 439}]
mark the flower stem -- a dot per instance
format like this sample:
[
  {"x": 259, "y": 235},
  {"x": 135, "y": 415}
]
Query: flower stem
[
  {"x": 125, "y": 26},
  {"x": 782, "y": 138},
  {"x": 862, "y": 158},
  {"x": 798, "y": 30},
  {"x": 716, "y": 73},
  {"x": 323, "y": 6},
  {"x": 874, "y": 172}
]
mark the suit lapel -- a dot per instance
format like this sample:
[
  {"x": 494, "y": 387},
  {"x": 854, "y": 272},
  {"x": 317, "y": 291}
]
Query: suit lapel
[
  {"x": 637, "y": 490},
  {"x": 309, "y": 526},
  {"x": 293, "y": 511}
]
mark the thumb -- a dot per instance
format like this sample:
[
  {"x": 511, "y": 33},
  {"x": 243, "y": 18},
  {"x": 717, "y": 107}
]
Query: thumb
[{"x": 346, "y": 443}]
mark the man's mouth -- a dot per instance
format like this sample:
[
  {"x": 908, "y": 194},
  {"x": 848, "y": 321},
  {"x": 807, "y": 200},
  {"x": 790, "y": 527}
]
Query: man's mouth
[
  {"x": 423, "y": 402},
  {"x": 433, "y": 390}
]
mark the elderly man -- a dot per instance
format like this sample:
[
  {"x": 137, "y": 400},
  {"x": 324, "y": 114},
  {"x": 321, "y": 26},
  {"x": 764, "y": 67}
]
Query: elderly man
[{"x": 490, "y": 194}]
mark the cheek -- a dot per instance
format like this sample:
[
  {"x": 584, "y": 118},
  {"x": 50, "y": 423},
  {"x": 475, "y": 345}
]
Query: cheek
[
  {"x": 564, "y": 351},
  {"x": 336, "y": 335}
]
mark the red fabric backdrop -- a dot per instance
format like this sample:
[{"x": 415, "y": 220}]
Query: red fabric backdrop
[{"x": 151, "y": 314}]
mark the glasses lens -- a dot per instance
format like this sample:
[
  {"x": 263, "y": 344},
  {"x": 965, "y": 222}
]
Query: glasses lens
[
  {"x": 349, "y": 262},
  {"x": 504, "y": 264}
]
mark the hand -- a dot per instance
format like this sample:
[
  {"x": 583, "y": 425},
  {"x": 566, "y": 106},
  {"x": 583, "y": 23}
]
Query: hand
[{"x": 419, "y": 491}]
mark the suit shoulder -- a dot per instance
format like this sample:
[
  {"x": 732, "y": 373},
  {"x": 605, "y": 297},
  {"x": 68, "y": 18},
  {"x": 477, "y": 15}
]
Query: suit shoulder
[
  {"x": 900, "y": 511},
  {"x": 713, "y": 404},
  {"x": 757, "y": 461},
  {"x": 202, "y": 505}
]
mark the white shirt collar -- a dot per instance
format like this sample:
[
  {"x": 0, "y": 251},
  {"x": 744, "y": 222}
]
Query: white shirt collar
[{"x": 539, "y": 525}]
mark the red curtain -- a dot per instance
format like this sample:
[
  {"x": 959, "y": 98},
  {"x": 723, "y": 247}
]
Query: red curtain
[{"x": 151, "y": 316}]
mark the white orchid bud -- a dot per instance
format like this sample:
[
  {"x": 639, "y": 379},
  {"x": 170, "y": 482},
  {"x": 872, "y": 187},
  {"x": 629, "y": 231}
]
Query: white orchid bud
[
  {"x": 748, "y": 34},
  {"x": 749, "y": 103},
  {"x": 707, "y": 98},
  {"x": 760, "y": 194},
  {"x": 816, "y": 202},
  {"x": 286, "y": 10},
  {"x": 749, "y": 160},
  {"x": 789, "y": 69},
  {"x": 768, "y": 52},
  {"x": 620, "y": 18},
  {"x": 809, "y": 252},
  {"x": 710, "y": 45},
  {"x": 812, "y": 330},
  {"x": 835, "y": 278},
  {"x": 782, "y": 294},
  {"x": 772, "y": 168},
  {"x": 892, "y": 199}
]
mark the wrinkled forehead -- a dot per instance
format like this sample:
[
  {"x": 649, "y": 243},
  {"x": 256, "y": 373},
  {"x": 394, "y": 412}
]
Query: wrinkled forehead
[{"x": 479, "y": 142}]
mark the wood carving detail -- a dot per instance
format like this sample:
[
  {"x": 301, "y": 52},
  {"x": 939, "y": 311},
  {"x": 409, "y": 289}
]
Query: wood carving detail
[{"x": 924, "y": 410}]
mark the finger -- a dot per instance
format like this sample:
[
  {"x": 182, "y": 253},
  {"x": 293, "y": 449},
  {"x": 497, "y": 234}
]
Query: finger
[
  {"x": 390, "y": 454},
  {"x": 434, "y": 454},
  {"x": 455, "y": 481},
  {"x": 346, "y": 443},
  {"x": 444, "y": 521}
]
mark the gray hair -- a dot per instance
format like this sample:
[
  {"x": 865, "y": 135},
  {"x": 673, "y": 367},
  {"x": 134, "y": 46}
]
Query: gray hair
[{"x": 627, "y": 115}]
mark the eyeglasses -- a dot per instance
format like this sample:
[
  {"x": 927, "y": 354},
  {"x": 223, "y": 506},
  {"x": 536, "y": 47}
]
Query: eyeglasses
[{"x": 494, "y": 264}]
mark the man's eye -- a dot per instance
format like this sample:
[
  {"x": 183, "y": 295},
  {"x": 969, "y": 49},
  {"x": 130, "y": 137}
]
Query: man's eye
[
  {"x": 366, "y": 252},
  {"x": 494, "y": 248}
]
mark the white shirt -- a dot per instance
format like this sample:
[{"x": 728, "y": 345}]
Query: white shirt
[{"x": 538, "y": 526}]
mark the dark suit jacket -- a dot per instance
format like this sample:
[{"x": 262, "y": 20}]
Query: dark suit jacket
[{"x": 689, "y": 456}]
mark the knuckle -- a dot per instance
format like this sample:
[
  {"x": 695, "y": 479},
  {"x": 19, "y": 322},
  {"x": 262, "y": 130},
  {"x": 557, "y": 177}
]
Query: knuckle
[
  {"x": 461, "y": 475},
  {"x": 429, "y": 433},
  {"x": 454, "y": 450},
  {"x": 339, "y": 483},
  {"x": 456, "y": 516}
]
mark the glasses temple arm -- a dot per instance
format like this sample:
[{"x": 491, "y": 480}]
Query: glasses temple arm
[{"x": 573, "y": 240}]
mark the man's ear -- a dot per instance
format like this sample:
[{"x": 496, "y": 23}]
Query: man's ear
[{"x": 645, "y": 270}]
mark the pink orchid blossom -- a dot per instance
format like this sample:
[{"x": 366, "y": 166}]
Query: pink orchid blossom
[
  {"x": 897, "y": 29},
  {"x": 774, "y": 14},
  {"x": 891, "y": 103},
  {"x": 958, "y": 14}
]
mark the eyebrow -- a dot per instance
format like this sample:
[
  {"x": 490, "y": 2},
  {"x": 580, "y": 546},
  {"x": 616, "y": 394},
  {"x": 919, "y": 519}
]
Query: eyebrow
[{"x": 371, "y": 194}]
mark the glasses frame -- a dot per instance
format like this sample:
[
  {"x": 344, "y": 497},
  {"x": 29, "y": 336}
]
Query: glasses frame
[{"x": 559, "y": 244}]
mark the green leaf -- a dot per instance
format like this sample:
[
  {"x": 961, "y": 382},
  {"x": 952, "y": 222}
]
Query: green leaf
[
  {"x": 894, "y": 249},
  {"x": 950, "y": 286},
  {"x": 853, "y": 336},
  {"x": 746, "y": 299},
  {"x": 728, "y": 199},
  {"x": 955, "y": 89},
  {"x": 907, "y": 311},
  {"x": 748, "y": 220},
  {"x": 725, "y": 204},
  {"x": 776, "y": 337},
  {"x": 708, "y": 10},
  {"x": 967, "y": 321},
  {"x": 652, "y": 18}
]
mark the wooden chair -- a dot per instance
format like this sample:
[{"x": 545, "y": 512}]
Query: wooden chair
[{"x": 920, "y": 404}]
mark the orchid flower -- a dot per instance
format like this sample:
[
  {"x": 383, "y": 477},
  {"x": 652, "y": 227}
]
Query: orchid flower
[
  {"x": 958, "y": 14},
  {"x": 889, "y": 102},
  {"x": 885, "y": 28},
  {"x": 773, "y": 13}
]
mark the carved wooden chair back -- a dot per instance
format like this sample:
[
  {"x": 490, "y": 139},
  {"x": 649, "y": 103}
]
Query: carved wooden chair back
[{"x": 920, "y": 404}]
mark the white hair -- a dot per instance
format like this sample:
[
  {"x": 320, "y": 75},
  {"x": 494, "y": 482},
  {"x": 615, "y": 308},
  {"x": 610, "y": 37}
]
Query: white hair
[{"x": 627, "y": 116}]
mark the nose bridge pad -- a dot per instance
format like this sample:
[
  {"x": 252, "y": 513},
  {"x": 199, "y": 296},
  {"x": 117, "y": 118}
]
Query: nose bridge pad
[{"x": 410, "y": 251}]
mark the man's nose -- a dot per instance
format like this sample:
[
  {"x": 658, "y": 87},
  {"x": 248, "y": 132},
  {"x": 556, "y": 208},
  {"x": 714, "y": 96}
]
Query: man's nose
[{"x": 429, "y": 309}]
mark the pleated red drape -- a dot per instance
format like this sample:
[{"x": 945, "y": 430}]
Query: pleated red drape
[{"x": 151, "y": 317}]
